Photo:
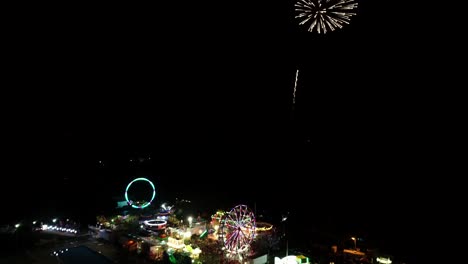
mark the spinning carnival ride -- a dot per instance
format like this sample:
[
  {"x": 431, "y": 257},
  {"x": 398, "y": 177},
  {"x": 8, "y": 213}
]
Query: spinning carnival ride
[
  {"x": 237, "y": 229},
  {"x": 139, "y": 204}
]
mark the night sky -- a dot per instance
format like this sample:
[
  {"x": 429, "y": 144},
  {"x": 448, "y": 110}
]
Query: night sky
[{"x": 206, "y": 88}]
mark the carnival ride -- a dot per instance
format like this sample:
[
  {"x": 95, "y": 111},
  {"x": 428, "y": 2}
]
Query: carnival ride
[
  {"x": 140, "y": 204},
  {"x": 263, "y": 227},
  {"x": 237, "y": 230},
  {"x": 155, "y": 224}
]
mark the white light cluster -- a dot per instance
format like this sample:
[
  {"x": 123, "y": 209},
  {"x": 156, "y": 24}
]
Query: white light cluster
[
  {"x": 384, "y": 260},
  {"x": 56, "y": 253},
  {"x": 56, "y": 228}
]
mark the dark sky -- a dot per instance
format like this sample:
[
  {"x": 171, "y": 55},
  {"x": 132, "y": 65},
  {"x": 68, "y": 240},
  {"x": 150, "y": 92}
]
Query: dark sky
[
  {"x": 194, "y": 71},
  {"x": 206, "y": 75}
]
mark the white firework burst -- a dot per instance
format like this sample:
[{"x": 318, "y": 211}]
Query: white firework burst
[{"x": 324, "y": 15}]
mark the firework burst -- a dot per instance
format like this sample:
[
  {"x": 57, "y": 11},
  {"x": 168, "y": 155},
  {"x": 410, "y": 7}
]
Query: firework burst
[{"x": 324, "y": 15}]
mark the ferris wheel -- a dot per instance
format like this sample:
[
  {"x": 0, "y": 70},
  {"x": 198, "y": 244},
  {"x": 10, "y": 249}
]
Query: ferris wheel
[
  {"x": 140, "y": 204},
  {"x": 237, "y": 229}
]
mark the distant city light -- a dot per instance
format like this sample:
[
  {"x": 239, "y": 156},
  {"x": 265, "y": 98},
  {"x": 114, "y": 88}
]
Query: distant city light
[
  {"x": 17, "y": 225},
  {"x": 324, "y": 15},
  {"x": 54, "y": 220},
  {"x": 34, "y": 222}
]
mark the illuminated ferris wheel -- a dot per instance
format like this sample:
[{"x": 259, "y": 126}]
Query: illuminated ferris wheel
[
  {"x": 139, "y": 204},
  {"x": 237, "y": 229}
]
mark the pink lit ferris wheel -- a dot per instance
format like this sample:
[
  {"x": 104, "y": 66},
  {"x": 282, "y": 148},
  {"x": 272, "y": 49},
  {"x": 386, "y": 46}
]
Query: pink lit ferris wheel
[{"x": 237, "y": 229}]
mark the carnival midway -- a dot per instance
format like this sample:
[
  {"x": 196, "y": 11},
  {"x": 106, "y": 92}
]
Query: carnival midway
[
  {"x": 161, "y": 233},
  {"x": 143, "y": 229}
]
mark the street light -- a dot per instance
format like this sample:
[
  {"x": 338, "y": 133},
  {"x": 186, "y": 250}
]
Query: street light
[
  {"x": 354, "y": 239},
  {"x": 190, "y": 220},
  {"x": 284, "y": 218}
]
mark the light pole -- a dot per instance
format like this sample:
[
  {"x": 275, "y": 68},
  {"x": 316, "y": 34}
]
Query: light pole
[
  {"x": 354, "y": 239},
  {"x": 283, "y": 220}
]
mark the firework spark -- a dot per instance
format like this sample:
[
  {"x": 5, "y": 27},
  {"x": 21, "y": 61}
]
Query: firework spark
[{"x": 324, "y": 15}]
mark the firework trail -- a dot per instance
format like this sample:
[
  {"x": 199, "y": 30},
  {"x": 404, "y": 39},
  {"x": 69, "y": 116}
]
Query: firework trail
[{"x": 295, "y": 87}]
